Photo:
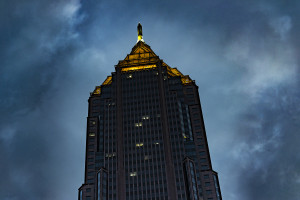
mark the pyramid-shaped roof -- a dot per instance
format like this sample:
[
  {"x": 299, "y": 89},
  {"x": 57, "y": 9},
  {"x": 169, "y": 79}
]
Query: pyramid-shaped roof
[
  {"x": 141, "y": 54},
  {"x": 142, "y": 57}
]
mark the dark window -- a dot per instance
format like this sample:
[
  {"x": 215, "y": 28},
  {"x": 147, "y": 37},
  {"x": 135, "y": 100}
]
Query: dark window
[
  {"x": 208, "y": 191},
  {"x": 207, "y": 183}
]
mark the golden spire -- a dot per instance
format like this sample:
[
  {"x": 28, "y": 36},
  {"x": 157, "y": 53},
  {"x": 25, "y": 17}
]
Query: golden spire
[{"x": 140, "y": 32}]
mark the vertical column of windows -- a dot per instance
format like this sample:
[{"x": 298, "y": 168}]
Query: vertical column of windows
[
  {"x": 189, "y": 128},
  {"x": 99, "y": 186},
  {"x": 102, "y": 184},
  {"x": 190, "y": 180},
  {"x": 126, "y": 128},
  {"x": 110, "y": 146},
  {"x": 145, "y": 119},
  {"x": 151, "y": 168},
  {"x": 201, "y": 142},
  {"x": 143, "y": 138},
  {"x": 91, "y": 148},
  {"x": 168, "y": 107},
  {"x": 176, "y": 143},
  {"x": 138, "y": 136}
]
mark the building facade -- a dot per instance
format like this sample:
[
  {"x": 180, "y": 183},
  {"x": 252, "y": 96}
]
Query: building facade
[{"x": 145, "y": 135}]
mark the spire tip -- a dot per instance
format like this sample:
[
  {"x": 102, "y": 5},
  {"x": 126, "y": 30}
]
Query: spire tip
[{"x": 140, "y": 32}]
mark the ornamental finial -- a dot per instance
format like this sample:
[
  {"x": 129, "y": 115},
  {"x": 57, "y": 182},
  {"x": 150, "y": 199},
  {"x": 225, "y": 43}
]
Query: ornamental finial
[{"x": 140, "y": 32}]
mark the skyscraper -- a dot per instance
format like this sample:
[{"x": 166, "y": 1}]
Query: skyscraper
[{"x": 145, "y": 135}]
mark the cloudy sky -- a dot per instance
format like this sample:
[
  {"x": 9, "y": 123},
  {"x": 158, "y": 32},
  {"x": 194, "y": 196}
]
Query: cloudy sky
[{"x": 244, "y": 55}]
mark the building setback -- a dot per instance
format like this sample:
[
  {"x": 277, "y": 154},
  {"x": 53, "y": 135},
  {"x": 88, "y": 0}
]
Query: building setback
[{"x": 145, "y": 135}]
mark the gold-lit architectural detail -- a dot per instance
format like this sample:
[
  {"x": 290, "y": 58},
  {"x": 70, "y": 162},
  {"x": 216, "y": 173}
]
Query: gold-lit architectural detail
[
  {"x": 173, "y": 71},
  {"x": 142, "y": 57},
  {"x": 97, "y": 90},
  {"x": 140, "y": 33},
  {"x": 141, "y": 54},
  {"x": 107, "y": 81},
  {"x": 138, "y": 68},
  {"x": 186, "y": 80}
]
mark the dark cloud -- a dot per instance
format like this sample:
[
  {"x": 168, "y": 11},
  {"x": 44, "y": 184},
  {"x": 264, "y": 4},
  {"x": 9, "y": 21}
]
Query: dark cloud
[
  {"x": 268, "y": 141},
  {"x": 243, "y": 56}
]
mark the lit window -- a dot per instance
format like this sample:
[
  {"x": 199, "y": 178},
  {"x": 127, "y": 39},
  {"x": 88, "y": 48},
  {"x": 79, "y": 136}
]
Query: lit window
[
  {"x": 129, "y": 76},
  {"x": 147, "y": 157},
  {"x": 145, "y": 117},
  {"x": 109, "y": 155},
  {"x": 93, "y": 122},
  {"x": 132, "y": 173},
  {"x": 156, "y": 143},
  {"x": 91, "y": 134},
  {"x": 184, "y": 135},
  {"x": 139, "y": 144},
  {"x": 138, "y": 124}
]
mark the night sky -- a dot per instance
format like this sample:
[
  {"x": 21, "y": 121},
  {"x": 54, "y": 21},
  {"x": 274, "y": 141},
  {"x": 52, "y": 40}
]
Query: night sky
[{"x": 243, "y": 55}]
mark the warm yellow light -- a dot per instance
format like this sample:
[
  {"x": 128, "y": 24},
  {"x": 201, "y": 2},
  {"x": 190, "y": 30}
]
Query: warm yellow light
[
  {"x": 132, "y": 173},
  {"x": 138, "y": 68},
  {"x": 138, "y": 124},
  {"x": 140, "y": 32},
  {"x": 139, "y": 144},
  {"x": 91, "y": 134},
  {"x": 173, "y": 71},
  {"x": 145, "y": 117},
  {"x": 97, "y": 90},
  {"x": 186, "y": 80},
  {"x": 140, "y": 37},
  {"x": 107, "y": 81}
]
